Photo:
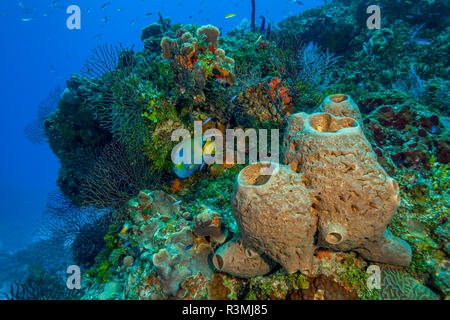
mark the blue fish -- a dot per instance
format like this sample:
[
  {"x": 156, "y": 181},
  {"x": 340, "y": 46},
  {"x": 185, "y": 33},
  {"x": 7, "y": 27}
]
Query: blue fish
[
  {"x": 188, "y": 247},
  {"x": 197, "y": 145},
  {"x": 106, "y": 5},
  {"x": 126, "y": 244},
  {"x": 176, "y": 202},
  {"x": 425, "y": 42}
]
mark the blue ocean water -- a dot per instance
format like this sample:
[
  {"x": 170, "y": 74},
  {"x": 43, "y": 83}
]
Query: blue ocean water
[{"x": 39, "y": 53}]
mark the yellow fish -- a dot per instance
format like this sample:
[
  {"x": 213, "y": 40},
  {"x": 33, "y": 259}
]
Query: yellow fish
[{"x": 125, "y": 228}]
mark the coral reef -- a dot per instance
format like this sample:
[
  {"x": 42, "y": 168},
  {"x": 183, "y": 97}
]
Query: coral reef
[
  {"x": 404, "y": 134},
  {"x": 158, "y": 246},
  {"x": 266, "y": 102},
  {"x": 357, "y": 186},
  {"x": 197, "y": 59}
]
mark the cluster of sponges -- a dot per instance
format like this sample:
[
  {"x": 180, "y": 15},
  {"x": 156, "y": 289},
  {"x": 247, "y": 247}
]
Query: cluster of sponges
[
  {"x": 330, "y": 193},
  {"x": 266, "y": 101},
  {"x": 198, "y": 57}
]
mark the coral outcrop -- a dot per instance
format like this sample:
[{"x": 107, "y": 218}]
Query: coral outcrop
[
  {"x": 405, "y": 132},
  {"x": 330, "y": 192},
  {"x": 198, "y": 58}
]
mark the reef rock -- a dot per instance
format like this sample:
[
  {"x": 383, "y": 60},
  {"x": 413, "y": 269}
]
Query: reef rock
[{"x": 330, "y": 192}]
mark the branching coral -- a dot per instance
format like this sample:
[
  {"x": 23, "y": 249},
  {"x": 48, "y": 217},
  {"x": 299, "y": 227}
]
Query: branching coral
[
  {"x": 81, "y": 230},
  {"x": 40, "y": 285},
  {"x": 113, "y": 178},
  {"x": 61, "y": 220},
  {"x": 104, "y": 60},
  {"x": 315, "y": 67},
  {"x": 268, "y": 101},
  {"x": 34, "y": 131}
]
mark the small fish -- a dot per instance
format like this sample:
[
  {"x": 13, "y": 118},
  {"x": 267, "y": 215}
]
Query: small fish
[
  {"x": 259, "y": 38},
  {"x": 106, "y": 5},
  {"x": 21, "y": 5},
  {"x": 188, "y": 247},
  {"x": 133, "y": 21},
  {"x": 27, "y": 19},
  {"x": 105, "y": 19},
  {"x": 125, "y": 228},
  {"x": 148, "y": 14},
  {"x": 176, "y": 202},
  {"x": 126, "y": 244},
  {"x": 230, "y": 15},
  {"x": 234, "y": 97},
  {"x": 98, "y": 37},
  {"x": 424, "y": 42},
  {"x": 120, "y": 9},
  {"x": 206, "y": 121}
]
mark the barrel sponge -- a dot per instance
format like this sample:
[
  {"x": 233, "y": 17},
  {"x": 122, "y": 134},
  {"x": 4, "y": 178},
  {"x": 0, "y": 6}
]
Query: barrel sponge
[
  {"x": 241, "y": 262},
  {"x": 340, "y": 105},
  {"x": 211, "y": 33},
  {"x": 328, "y": 192},
  {"x": 270, "y": 214}
]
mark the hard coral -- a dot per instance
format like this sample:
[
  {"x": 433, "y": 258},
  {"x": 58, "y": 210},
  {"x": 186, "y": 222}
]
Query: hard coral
[
  {"x": 266, "y": 101},
  {"x": 198, "y": 59},
  {"x": 322, "y": 288},
  {"x": 401, "y": 131}
]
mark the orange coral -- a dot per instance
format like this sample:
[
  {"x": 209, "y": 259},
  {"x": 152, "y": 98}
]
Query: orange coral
[
  {"x": 186, "y": 52},
  {"x": 176, "y": 186}
]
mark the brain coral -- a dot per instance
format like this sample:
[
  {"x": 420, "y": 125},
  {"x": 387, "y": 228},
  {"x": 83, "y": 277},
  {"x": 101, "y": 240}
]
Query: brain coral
[
  {"x": 397, "y": 285},
  {"x": 330, "y": 192}
]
